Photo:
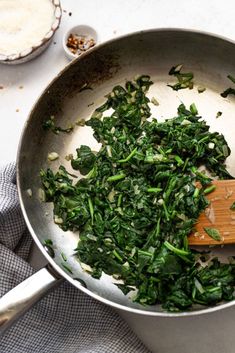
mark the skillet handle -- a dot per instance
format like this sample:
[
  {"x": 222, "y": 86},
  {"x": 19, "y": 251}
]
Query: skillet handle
[{"x": 21, "y": 298}]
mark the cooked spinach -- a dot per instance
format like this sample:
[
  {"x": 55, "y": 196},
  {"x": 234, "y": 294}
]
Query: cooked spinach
[
  {"x": 64, "y": 257},
  {"x": 232, "y": 207},
  {"x": 49, "y": 124},
  {"x": 84, "y": 161},
  {"x": 67, "y": 268},
  {"x": 138, "y": 202},
  {"x": 48, "y": 245},
  {"x": 213, "y": 233},
  {"x": 185, "y": 79},
  {"x": 229, "y": 90}
]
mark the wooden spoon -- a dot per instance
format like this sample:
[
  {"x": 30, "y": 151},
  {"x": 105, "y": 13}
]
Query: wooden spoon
[{"x": 217, "y": 216}]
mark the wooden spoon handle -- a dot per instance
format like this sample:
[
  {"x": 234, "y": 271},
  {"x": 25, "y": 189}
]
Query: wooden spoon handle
[{"x": 217, "y": 216}]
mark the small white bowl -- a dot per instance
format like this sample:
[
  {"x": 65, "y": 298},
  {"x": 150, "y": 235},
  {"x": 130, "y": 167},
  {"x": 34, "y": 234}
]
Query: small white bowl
[
  {"x": 80, "y": 30},
  {"x": 39, "y": 47}
]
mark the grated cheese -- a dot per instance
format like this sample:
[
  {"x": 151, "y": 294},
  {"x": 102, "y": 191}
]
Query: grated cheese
[{"x": 23, "y": 24}]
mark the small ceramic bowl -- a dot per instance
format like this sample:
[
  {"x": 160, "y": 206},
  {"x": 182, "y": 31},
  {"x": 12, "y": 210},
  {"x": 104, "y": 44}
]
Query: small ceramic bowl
[
  {"x": 40, "y": 46},
  {"x": 80, "y": 30}
]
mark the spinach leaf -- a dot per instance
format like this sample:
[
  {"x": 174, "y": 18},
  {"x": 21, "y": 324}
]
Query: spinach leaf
[
  {"x": 213, "y": 233},
  {"x": 185, "y": 80},
  {"x": 84, "y": 161},
  {"x": 229, "y": 90},
  {"x": 49, "y": 124},
  {"x": 232, "y": 207}
]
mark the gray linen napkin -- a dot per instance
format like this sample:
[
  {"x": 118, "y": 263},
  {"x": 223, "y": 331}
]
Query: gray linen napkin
[{"x": 67, "y": 320}]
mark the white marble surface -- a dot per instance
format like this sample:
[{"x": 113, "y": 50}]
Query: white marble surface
[{"x": 111, "y": 18}]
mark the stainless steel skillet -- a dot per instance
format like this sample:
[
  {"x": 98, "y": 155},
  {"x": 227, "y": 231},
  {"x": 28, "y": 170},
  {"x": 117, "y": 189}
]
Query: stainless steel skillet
[{"x": 69, "y": 98}]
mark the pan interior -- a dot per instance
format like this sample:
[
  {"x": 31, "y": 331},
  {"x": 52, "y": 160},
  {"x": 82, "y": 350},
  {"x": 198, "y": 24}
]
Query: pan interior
[{"x": 153, "y": 53}]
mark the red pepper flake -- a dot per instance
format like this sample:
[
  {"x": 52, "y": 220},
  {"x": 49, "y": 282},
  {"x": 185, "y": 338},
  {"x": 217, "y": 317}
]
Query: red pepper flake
[{"x": 78, "y": 44}]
